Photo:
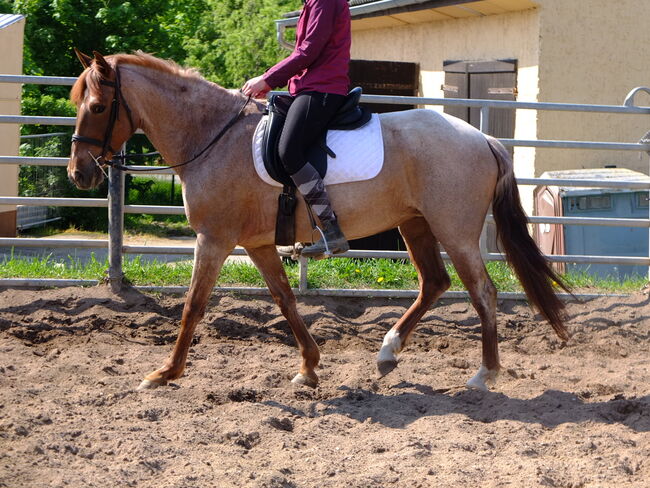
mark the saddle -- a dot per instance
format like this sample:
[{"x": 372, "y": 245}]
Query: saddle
[{"x": 349, "y": 117}]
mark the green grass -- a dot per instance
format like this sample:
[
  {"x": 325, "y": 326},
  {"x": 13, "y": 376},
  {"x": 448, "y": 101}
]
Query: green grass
[
  {"x": 581, "y": 280},
  {"x": 46, "y": 267},
  {"x": 157, "y": 225},
  {"x": 332, "y": 273}
]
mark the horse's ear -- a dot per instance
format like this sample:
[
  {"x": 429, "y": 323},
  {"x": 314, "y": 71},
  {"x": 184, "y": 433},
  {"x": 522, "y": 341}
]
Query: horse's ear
[
  {"x": 85, "y": 59},
  {"x": 102, "y": 64}
]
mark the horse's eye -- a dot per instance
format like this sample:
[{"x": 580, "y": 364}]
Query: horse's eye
[{"x": 97, "y": 109}]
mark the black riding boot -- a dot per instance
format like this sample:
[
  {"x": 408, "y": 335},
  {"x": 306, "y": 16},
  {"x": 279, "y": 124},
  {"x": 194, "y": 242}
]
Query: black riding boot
[{"x": 332, "y": 240}]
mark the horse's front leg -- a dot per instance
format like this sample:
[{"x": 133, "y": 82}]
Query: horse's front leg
[
  {"x": 209, "y": 256},
  {"x": 270, "y": 265}
]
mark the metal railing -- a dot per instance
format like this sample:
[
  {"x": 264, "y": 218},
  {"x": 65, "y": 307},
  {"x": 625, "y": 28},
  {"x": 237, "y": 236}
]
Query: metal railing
[{"x": 117, "y": 208}]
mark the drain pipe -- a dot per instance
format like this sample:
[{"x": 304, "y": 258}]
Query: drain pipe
[{"x": 282, "y": 24}]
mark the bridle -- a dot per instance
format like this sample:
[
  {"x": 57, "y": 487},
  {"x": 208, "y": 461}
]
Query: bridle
[
  {"x": 118, "y": 99},
  {"x": 120, "y": 158}
]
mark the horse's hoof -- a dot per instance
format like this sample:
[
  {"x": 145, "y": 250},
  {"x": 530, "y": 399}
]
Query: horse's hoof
[
  {"x": 385, "y": 367},
  {"x": 481, "y": 379},
  {"x": 387, "y": 357},
  {"x": 477, "y": 384},
  {"x": 149, "y": 385},
  {"x": 301, "y": 379}
]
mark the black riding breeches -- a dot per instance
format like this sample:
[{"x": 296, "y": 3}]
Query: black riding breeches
[{"x": 307, "y": 117}]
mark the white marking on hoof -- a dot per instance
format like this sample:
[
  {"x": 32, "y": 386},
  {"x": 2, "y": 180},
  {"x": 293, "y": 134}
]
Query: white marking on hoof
[
  {"x": 301, "y": 379},
  {"x": 389, "y": 348},
  {"x": 481, "y": 379},
  {"x": 147, "y": 385}
]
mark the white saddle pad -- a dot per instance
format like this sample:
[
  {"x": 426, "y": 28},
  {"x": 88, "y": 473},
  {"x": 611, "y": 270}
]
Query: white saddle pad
[{"x": 359, "y": 153}]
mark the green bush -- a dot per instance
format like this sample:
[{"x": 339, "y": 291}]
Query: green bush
[{"x": 153, "y": 191}]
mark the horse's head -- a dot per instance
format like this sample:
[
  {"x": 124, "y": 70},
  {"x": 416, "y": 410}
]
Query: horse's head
[{"x": 103, "y": 120}]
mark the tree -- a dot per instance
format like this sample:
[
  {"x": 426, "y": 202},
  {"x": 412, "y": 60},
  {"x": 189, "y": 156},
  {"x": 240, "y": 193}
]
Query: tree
[
  {"x": 54, "y": 27},
  {"x": 228, "y": 40},
  {"x": 236, "y": 39}
]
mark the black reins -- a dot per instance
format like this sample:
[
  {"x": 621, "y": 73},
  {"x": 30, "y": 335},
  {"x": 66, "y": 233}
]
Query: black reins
[{"x": 119, "y": 159}]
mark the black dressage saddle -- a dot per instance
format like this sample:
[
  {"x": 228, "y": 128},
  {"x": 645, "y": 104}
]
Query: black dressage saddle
[{"x": 349, "y": 117}]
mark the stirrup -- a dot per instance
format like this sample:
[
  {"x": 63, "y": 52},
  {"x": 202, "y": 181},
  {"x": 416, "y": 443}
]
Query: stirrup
[
  {"x": 332, "y": 242},
  {"x": 327, "y": 253}
]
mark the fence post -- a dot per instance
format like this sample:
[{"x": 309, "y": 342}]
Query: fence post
[
  {"x": 115, "y": 228},
  {"x": 302, "y": 283}
]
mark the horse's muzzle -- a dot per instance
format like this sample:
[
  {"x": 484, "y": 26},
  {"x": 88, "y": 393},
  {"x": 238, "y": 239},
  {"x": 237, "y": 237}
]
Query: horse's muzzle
[{"x": 86, "y": 178}]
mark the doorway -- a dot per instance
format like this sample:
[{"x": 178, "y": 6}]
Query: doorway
[{"x": 488, "y": 80}]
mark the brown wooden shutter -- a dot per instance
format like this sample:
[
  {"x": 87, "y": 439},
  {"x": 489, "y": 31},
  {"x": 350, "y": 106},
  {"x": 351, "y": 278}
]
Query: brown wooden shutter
[{"x": 385, "y": 78}]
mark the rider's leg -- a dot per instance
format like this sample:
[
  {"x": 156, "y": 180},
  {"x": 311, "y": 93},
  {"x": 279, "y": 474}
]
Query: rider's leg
[
  {"x": 311, "y": 186},
  {"x": 306, "y": 120}
]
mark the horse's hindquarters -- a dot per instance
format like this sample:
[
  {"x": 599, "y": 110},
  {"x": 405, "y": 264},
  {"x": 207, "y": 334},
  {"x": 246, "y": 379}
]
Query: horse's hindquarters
[{"x": 435, "y": 166}]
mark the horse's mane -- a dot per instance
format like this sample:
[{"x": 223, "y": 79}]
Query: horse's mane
[{"x": 91, "y": 77}]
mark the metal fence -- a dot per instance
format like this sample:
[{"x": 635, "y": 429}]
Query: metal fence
[{"x": 117, "y": 208}]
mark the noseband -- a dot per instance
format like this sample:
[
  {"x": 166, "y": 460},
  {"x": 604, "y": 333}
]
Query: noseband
[{"x": 118, "y": 99}]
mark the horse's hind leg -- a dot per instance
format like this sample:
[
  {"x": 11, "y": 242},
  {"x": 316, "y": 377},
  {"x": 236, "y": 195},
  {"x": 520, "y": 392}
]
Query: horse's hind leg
[
  {"x": 434, "y": 281},
  {"x": 268, "y": 262},
  {"x": 209, "y": 256},
  {"x": 471, "y": 269}
]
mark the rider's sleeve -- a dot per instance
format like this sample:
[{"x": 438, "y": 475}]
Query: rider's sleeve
[{"x": 318, "y": 31}]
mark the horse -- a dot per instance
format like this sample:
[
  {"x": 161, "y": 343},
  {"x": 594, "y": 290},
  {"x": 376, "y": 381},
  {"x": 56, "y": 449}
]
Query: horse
[{"x": 439, "y": 178}]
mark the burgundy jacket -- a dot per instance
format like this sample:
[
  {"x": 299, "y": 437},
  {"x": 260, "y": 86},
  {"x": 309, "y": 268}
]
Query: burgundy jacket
[{"x": 320, "y": 60}]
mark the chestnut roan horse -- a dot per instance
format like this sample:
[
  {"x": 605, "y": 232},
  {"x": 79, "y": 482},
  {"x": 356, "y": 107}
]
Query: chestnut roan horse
[{"x": 439, "y": 178}]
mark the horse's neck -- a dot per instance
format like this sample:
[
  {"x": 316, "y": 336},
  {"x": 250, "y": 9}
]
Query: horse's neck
[{"x": 179, "y": 114}]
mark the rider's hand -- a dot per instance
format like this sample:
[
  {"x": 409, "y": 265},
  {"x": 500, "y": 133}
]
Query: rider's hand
[{"x": 256, "y": 87}]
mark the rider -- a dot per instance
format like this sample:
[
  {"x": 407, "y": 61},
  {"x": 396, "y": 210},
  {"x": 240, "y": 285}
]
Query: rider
[{"x": 317, "y": 76}]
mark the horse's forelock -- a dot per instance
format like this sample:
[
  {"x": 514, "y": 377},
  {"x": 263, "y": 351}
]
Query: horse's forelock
[
  {"x": 79, "y": 88},
  {"x": 89, "y": 79}
]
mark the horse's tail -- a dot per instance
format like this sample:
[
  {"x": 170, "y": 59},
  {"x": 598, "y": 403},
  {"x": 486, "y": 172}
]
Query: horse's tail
[{"x": 522, "y": 253}]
